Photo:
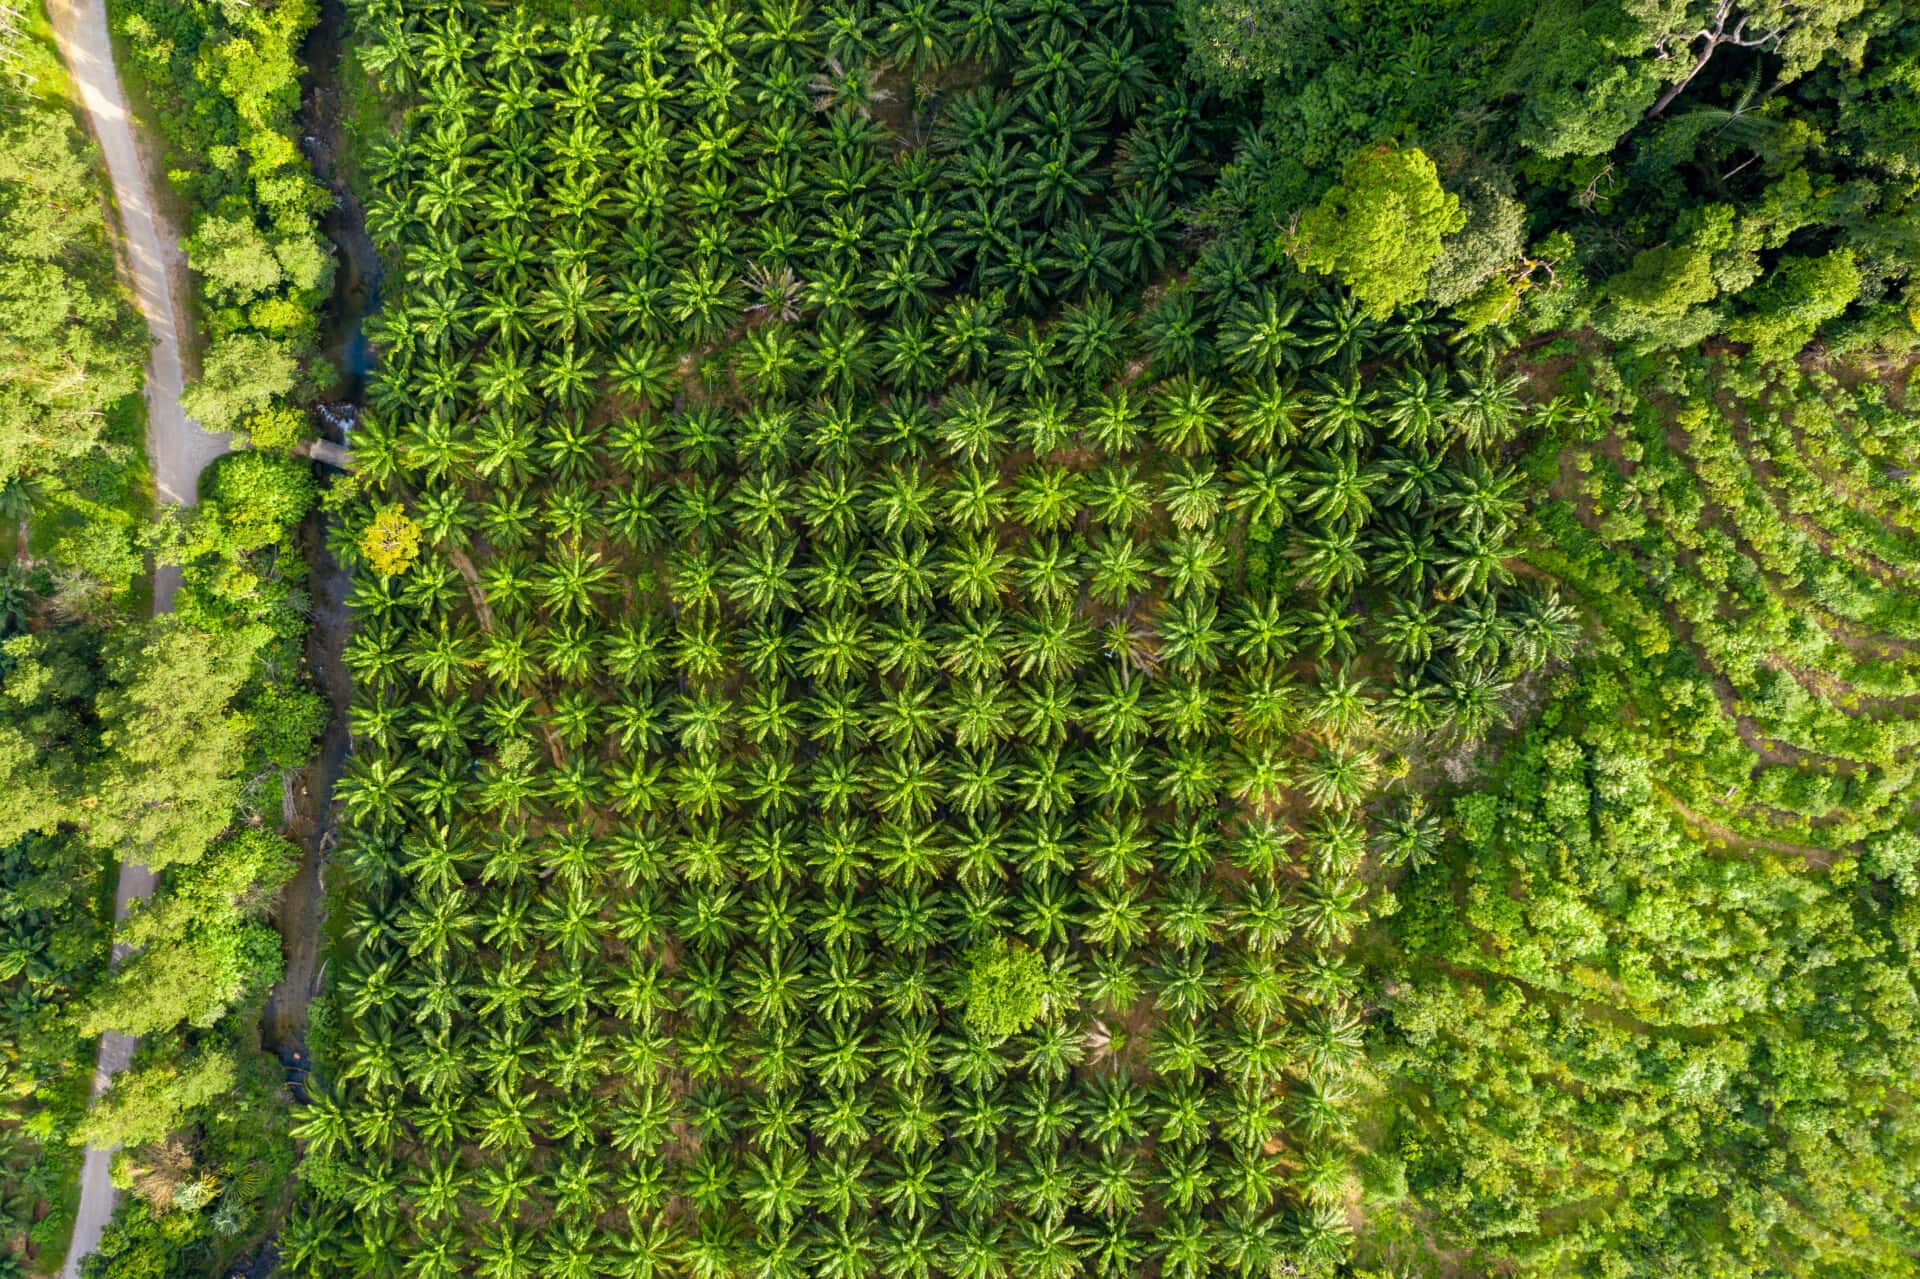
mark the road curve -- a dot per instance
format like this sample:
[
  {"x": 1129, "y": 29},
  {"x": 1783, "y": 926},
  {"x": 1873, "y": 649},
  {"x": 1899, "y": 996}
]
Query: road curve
[{"x": 177, "y": 448}]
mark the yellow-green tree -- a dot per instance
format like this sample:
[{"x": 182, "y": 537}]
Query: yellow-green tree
[
  {"x": 391, "y": 542},
  {"x": 1380, "y": 229},
  {"x": 1006, "y": 989}
]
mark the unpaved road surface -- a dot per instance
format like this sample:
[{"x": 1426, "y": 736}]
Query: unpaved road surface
[{"x": 177, "y": 448}]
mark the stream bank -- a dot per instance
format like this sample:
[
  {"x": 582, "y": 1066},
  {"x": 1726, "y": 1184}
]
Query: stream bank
[
  {"x": 309, "y": 814},
  {"x": 326, "y": 113}
]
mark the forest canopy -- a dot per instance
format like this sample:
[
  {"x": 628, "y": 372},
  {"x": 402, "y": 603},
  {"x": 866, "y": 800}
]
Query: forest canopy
[
  {"x": 1682, "y": 166},
  {"x": 71, "y": 345}
]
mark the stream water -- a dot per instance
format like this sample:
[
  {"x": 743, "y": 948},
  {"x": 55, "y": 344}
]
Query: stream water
[
  {"x": 308, "y": 813},
  {"x": 357, "y": 273}
]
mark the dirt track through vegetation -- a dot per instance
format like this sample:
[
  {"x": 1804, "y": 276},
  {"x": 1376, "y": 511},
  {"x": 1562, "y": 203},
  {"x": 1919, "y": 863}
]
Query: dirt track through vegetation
[{"x": 177, "y": 448}]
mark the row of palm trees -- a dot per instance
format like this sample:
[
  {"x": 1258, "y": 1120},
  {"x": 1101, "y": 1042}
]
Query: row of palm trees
[
  {"x": 663, "y": 156},
  {"x": 846, "y": 546},
  {"x": 1180, "y": 1245},
  {"x": 451, "y": 413}
]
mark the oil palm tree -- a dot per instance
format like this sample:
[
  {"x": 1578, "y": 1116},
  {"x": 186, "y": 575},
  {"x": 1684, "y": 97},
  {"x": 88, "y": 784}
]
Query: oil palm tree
[
  {"x": 1489, "y": 408},
  {"x": 1258, "y": 337},
  {"x": 1338, "y": 777}
]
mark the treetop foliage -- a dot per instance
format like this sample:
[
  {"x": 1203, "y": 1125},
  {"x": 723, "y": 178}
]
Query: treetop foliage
[
  {"x": 1006, "y": 989},
  {"x": 71, "y": 344},
  {"x": 1380, "y": 229},
  {"x": 1617, "y": 125}
]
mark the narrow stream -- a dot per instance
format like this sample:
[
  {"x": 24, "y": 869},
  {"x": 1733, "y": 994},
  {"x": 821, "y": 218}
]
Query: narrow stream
[
  {"x": 357, "y": 275},
  {"x": 301, "y": 912}
]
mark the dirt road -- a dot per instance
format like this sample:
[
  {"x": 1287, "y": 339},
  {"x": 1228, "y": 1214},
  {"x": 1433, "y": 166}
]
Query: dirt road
[{"x": 177, "y": 448}]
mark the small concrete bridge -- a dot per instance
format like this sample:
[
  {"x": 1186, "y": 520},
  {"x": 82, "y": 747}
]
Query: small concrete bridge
[{"x": 327, "y": 453}]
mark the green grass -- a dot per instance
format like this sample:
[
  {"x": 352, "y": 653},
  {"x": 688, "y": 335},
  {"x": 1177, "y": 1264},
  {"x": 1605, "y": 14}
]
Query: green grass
[
  {"x": 113, "y": 485},
  {"x": 127, "y": 429}
]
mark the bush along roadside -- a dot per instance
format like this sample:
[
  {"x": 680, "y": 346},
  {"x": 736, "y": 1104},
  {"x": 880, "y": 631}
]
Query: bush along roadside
[
  {"x": 166, "y": 740},
  {"x": 163, "y": 740},
  {"x": 74, "y": 503},
  {"x": 223, "y": 83},
  {"x": 210, "y": 714},
  {"x": 73, "y": 493}
]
